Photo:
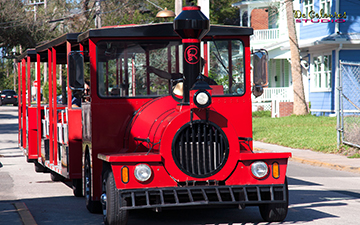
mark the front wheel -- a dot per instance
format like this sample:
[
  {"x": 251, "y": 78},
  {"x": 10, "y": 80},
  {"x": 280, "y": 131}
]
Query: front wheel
[
  {"x": 92, "y": 206},
  {"x": 275, "y": 212},
  {"x": 112, "y": 212}
]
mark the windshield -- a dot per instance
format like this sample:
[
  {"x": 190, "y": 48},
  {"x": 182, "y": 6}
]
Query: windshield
[
  {"x": 9, "y": 92},
  {"x": 152, "y": 68}
]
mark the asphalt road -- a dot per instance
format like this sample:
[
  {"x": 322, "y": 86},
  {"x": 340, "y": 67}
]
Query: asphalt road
[{"x": 317, "y": 195}]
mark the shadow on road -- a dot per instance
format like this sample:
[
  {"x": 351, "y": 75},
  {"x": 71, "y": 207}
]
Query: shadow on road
[
  {"x": 305, "y": 206},
  {"x": 9, "y": 128},
  {"x": 5, "y": 116}
]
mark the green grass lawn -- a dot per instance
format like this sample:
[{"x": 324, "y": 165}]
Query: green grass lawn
[{"x": 304, "y": 132}]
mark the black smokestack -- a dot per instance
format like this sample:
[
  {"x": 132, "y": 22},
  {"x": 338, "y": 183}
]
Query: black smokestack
[{"x": 191, "y": 25}]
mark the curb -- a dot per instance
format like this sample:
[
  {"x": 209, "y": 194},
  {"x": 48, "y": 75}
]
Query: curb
[
  {"x": 24, "y": 214},
  {"x": 315, "y": 162}
]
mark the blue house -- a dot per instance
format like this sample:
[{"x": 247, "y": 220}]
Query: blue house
[
  {"x": 268, "y": 19},
  {"x": 329, "y": 33}
]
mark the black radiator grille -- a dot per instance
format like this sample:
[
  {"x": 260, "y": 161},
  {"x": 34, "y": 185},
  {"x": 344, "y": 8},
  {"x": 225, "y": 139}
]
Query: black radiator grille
[
  {"x": 200, "y": 149},
  {"x": 205, "y": 195}
]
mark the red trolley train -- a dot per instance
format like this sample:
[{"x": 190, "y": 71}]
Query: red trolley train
[{"x": 165, "y": 119}]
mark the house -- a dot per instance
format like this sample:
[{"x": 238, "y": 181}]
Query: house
[
  {"x": 329, "y": 33},
  {"x": 268, "y": 19}
]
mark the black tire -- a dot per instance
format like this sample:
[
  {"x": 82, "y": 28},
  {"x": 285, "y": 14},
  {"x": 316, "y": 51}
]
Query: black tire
[
  {"x": 112, "y": 212},
  {"x": 77, "y": 188},
  {"x": 39, "y": 168},
  {"x": 56, "y": 177},
  {"x": 275, "y": 212},
  {"x": 92, "y": 206}
]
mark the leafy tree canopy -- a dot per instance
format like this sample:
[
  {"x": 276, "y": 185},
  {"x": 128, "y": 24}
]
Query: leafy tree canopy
[{"x": 27, "y": 25}]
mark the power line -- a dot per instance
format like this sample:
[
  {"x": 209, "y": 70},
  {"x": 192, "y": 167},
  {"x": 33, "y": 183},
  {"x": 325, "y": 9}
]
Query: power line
[
  {"x": 123, "y": 5},
  {"x": 90, "y": 18},
  {"x": 12, "y": 21}
]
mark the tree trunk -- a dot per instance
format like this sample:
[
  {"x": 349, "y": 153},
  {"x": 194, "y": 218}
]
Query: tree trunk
[{"x": 300, "y": 106}]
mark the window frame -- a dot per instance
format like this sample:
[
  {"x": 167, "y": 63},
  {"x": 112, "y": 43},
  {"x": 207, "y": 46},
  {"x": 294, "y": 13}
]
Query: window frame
[
  {"x": 327, "y": 4},
  {"x": 321, "y": 80},
  {"x": 101, "y": 96},
  {"x": 307, "y": 8}
]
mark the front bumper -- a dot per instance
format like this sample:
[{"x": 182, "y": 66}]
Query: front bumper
[
  {"x": 203, "y": 195},
  {"x": 9, "y": 100}
]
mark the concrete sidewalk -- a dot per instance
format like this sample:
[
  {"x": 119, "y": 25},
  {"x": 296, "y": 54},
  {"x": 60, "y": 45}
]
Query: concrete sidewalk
[{"x": 333, "y": 161}]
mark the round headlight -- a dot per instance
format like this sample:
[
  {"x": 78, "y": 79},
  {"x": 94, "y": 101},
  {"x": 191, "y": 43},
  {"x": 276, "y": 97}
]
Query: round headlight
[
  {"x": 202, "y": 99},
  {"x": 259, "y": 169},
  {"x": 142, "y": 172}
]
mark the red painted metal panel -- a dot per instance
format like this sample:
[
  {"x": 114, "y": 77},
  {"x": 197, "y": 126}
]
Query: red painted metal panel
[
  {"x": 242, "y": 174},
  {"x": 19, "y": 103},
  {"x": 75, "y": 143},
  {"x": 130, "y": 157},
  {"x": 114, "y": 131},
  {"x": 38, "y": 104},
  {"x": 51, "y": 115},
  {"x": 264, "y": 156},
  {"x": 160, "y": 178},
  {"x": 32, "y": 133},
  {"x": 94, "y": 150},
  {"x": 54, "y": 107},
  {"x": 23, "y": 105},
  {"x": 29, "y": 81},
  {"x": 69, "y": 95}
]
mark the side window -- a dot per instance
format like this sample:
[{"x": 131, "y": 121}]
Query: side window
[
  {"x": 227, "y": 65},
  {"x": 127, "y": 69}
]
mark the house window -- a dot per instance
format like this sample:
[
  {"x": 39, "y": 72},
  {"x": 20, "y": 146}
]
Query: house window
[
  {"x": 326, "y": 6},
  {"x": 322, "y": 65},
  {"x": 308, "y": 6}
]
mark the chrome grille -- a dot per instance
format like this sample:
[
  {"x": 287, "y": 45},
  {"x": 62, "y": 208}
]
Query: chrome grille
[{"x": 200, "y": 149}]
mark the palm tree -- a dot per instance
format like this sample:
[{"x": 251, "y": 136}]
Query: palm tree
[{"x": 300, "y": 106}]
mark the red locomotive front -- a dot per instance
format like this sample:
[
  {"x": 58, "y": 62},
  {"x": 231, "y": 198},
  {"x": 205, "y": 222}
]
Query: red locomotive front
[
  {"x": 192, "y": 147},
  {"x": 165, "y": 119}
]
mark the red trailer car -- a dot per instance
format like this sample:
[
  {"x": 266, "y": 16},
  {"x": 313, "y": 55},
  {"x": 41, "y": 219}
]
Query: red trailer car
[{"x": 165, "y": 119}]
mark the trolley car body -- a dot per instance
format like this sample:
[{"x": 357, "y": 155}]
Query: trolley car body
[{"x": 137, "y": 143}]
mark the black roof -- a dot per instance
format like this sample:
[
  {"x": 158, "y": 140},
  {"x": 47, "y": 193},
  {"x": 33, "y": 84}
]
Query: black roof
[
  {"x": 127, "y": 31},
  {"x": 60, "y": 45},
  {"x": 57, "y": 42},
  {"x": 158, "y": 30},
  {"x": 27, "y": 53}
]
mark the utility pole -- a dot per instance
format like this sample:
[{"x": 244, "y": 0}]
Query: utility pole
[
  {"x": 205, "y": 7},
  {"x": 35, "y": 3},
  {"x": 178, "y": 7},
  {"x": 98, "y": 12},
  {"x": 300, "y": 106}
]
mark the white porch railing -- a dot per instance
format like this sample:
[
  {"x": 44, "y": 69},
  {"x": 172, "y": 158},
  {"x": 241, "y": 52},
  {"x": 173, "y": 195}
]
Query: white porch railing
[
  {"x": 266, "y": 34},
  {"x": 284, "y": 94}
]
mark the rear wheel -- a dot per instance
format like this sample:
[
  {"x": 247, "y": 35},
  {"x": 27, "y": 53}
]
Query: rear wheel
[
  {"x": 56, "y": 177},
  {"x": 275, "y": 212},
  {"x": 77, "y": 188},
  {"x": 92, "y": 206},
  {"x": 112, "y": 212}
]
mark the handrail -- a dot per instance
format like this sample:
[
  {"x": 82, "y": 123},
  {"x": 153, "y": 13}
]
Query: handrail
[
  {"x": 265, "y": 34},
  {"x": 282, "y": 94}
]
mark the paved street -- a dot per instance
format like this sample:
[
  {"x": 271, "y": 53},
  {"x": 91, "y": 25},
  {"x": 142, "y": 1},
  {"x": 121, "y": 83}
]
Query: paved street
[{"x": 318, "y": 195}]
